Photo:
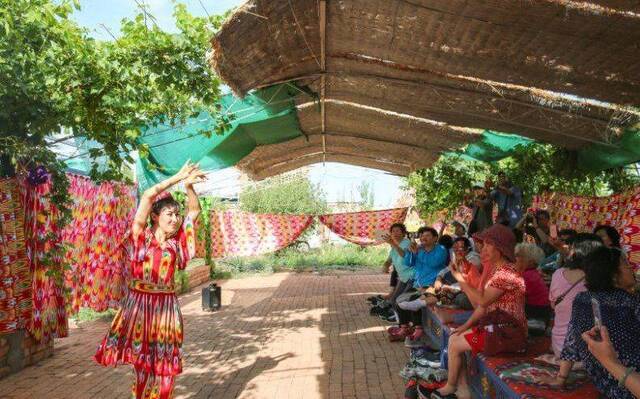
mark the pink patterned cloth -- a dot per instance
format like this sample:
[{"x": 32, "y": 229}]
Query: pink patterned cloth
[
  {"x": 364, "y": 228},
  {"x": 621, "y": 211},
  {"x": 235, "y": 233}
]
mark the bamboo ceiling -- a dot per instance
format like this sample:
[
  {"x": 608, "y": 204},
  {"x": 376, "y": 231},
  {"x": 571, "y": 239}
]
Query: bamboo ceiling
[{"x": 397, "y": 82}]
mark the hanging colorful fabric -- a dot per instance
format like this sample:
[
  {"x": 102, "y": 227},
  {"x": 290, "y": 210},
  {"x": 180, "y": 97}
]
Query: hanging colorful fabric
[
  {"x": 621, "y": 211},
  {"x": 15, "y": 278},
  {"x": 101, "y": 216},
  {"x": 364, "y": 228},
  {"x": 49, "y": 316},
  {"x": 236, "y": 233}
]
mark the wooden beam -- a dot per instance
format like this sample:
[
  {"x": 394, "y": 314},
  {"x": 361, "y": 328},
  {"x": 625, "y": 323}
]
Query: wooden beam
[{"x": 323, "y": 66}]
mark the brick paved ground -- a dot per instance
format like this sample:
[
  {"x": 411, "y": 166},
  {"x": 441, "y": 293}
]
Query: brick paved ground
[{"x": 281, "y": 336}]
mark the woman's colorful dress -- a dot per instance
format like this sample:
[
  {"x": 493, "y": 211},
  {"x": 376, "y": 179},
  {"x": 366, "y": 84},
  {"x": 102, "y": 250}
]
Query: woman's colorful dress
[{"x": 147, "y": 330}]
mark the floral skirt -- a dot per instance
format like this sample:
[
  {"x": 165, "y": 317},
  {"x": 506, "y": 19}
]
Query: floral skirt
[{"x": 146, "y": 333}]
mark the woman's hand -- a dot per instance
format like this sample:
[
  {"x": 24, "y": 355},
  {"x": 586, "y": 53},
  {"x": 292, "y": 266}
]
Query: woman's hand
[
  {"x": 186, "y": 170},
  {"x": 413, "y": 247},
  {"x": 437, "y": 285},
  {"x": 600, "y": 345},
  {"x": 388, "y": 239},
  {"x": 196, "y": 176},
  {"x": 458, "y": 276}
]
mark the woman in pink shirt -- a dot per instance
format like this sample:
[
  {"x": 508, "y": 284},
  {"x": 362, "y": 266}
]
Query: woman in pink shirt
[{"x": 566, "y": 283}]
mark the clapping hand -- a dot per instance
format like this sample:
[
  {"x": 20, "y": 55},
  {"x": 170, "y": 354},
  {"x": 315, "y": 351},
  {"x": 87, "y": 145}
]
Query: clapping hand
[{"x": 413, "y": 247}]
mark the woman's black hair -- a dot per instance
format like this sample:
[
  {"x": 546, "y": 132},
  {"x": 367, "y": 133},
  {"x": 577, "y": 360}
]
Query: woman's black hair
[
  {"x": 159, "y": 205},
  {"x": 568, "y": 232},
  {"x": 613, "y": 234},
  {"x": 400, "y": 226},
  {"x": 601, "y": 267},
  {"x": 465, "y": 240},
  {"x": 446, "y": 241},
  {"x": 583, "y": 244}
]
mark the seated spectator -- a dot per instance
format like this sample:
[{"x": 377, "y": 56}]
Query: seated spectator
[
  {"x": 501, "y": 289},
  {"x": 610, "y": 281},
  {"x": 561, "y": 244},
  {"x": 447, "y": 242},
  {"x": 566, "y": 283},
  {"x": 427, "y": 259},
  {"x": 398, "y": 241},
  {"x": 459, "y": 230},
  {"x": 599, "y": 344},
  {"x": 610, "y": 236},
  {"x": 528, "y": 257},
  {"x": 465, "y": 260},
  {"x": 538, "y": 226}
]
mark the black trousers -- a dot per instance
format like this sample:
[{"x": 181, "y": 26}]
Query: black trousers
[{"x": 408, "y": 316}]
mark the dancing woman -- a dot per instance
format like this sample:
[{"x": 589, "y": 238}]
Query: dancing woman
[{"x": 147, "y": 330}]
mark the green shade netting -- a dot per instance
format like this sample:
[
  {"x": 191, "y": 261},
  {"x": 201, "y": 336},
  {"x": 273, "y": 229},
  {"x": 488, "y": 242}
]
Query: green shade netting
[
  {"x": 266, "y": 116},
  {"x": 625, "y": 151},
  {"x": 495, "y": 146}
]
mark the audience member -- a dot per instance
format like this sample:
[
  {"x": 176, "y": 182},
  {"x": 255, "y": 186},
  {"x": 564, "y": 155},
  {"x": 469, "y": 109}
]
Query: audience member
[
  {"x": 599, "y": 344},
  {"x": 481, "y": 210},
  {"x": 610, "y": 236},
  {"x": 446, "y": 286},
  {"x": 610, "y": 282},
  {"x": 459, "y": 230},
  {"x": 538, "y": 226},
  {"x": 427, "y": 259},
  {"x": 509, "y": 200},
  {"x": 502, "y": 290},
  {"x": 566, "y": 283},
  {"x": 399, "y": 243},
  {"x": 528, "y": 258}
]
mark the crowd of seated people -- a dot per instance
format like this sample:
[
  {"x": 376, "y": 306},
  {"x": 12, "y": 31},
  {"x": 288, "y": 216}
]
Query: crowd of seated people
[{"x": 516, "y": 276}]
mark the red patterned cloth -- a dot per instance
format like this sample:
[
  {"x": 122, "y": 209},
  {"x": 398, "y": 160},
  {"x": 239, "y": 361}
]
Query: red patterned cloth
[
  {"x": 42, "y": 235},
  {"x": 621, "y": 211},
  {"x": 364, "y": 228},
  {"x": 507, "y": 279},
  {"x": 15, "y": 276},
  {"x": 236, "y": 233},
  {"x": 101, "y": 217}
]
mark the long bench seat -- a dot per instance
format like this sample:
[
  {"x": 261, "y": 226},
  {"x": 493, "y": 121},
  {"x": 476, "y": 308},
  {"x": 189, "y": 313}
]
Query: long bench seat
[{"x": 504, "y": 376}]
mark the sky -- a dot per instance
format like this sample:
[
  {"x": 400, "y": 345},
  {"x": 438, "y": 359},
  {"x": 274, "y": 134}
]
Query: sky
[{"x": 337, "y": 180}]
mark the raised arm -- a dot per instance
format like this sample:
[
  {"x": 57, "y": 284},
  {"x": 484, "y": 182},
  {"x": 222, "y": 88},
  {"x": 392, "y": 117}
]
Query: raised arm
[
  {"x": 193, "y": 204},
  {"x": 147, "y": 198}
]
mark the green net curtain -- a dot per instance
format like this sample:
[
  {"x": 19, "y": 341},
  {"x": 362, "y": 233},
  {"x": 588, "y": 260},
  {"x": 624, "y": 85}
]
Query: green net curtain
[{"x": 267, "y": 116}]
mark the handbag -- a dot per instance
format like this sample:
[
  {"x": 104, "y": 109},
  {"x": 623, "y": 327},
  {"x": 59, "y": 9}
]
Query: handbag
[
  {"x": 503, "y": 334},
  {"x": 561, "y": 297}
]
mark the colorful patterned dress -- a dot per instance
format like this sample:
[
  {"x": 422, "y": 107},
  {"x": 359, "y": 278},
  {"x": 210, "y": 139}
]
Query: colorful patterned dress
[{"x": 147, "y": 330}]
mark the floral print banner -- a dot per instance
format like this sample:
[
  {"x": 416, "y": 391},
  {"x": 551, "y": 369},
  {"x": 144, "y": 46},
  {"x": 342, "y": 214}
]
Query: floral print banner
[
  {"x": 364, "y": 228},
  {"x": 235, "y": 233},
  {"x": 621, "y": 211}
]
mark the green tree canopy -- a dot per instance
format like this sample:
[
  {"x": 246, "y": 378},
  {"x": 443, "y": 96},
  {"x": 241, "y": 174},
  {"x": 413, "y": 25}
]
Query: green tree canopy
[
  {"x": 296, "y": 195},
  {"x": 55, "y": 77},
  {"x": 535, "y": 168}
]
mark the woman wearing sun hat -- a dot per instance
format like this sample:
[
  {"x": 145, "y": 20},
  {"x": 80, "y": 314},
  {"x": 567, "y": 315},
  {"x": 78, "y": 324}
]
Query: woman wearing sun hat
[{"x": 502, "y": 289}]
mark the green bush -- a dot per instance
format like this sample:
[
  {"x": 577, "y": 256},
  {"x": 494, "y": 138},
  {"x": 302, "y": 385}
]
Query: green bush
[{"x": 349, "y": 257}]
